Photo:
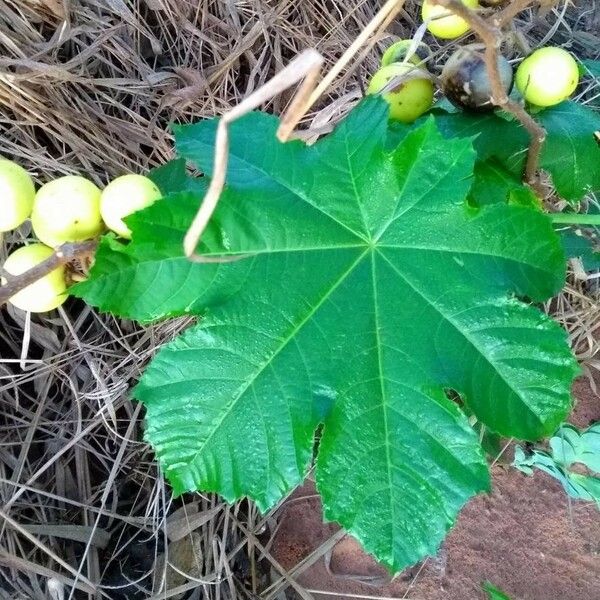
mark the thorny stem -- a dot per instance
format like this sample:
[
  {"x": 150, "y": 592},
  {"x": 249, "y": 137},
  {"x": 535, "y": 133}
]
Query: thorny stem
[
  {"x": 63, "y": 255},
  {"x": 489, "y": 30}
]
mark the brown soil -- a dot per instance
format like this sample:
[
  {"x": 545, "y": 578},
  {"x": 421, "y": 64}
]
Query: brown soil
[{"x": 525, "y": 537}]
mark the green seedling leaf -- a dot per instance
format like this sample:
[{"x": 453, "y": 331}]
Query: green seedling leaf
[
  {"x": 366, "y": 288},
  {"x": 568, "y": 447},
  {"x": 494, "y": 593}
]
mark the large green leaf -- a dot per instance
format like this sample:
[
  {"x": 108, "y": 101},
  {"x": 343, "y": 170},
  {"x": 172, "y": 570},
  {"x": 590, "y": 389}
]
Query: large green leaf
[
  {"x": 493, "y": 183},
  {"x": 570, "y": 153},
  {"x": 370, "y": 289},
  {"x": 172, "y": 178},
  {"x": 150, "y": 278}
]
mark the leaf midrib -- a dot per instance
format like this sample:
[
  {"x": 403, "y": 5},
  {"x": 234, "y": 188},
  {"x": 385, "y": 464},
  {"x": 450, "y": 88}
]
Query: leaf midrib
[
  {"x": 297, "y": 194},
  {"x": 240, "y": 393},
  {"x": 447, "y": 319},
  {"x": 486, "y": 254},
  {"x": 383, "y": 397},
  {"x": 400, "y": 211}
]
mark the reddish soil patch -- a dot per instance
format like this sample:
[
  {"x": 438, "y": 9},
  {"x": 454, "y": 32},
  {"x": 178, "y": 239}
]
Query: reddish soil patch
[{"x": 523, "y": 537}]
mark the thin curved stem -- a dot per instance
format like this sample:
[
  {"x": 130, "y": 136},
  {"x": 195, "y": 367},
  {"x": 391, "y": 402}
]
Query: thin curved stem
[{"x": 305, "y": 66}]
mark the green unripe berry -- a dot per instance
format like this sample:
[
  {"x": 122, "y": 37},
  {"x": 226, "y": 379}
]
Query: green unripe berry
[
  {"x": 123, "y": 196},
  {"x": 396, "y": 53},
  {"x": 547, "y": 76},
  {"x": 447, "y": 25},
  {"x": 410, "y": 97}
]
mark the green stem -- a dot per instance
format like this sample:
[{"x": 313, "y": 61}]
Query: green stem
[{"x": 575, "y": 218}]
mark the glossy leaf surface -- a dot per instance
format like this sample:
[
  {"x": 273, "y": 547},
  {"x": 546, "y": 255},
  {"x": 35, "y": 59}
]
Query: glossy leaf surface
[{"x": 368, "y": 289}]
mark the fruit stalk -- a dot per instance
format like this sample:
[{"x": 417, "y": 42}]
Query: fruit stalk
[
  {"x": 63, "y": 255},
  {"x": 507, "y": 14},
  {"x": 491, "y": 35}
]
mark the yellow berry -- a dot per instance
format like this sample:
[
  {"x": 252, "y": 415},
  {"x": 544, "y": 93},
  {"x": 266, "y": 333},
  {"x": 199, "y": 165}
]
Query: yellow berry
[
  {"x": 445, "y": 24},
  {"x": 123, "y": 196},
  {"x": 45, "y": 293},
  {"x": 410, "y": 98},
  {"x": 17, "y": 192},
  {"x": 547, "y": 76},
  {"x": 67, "y": 210}
]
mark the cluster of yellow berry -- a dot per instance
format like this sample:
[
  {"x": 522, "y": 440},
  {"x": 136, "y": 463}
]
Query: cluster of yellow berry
[
  {"x": 67, "y": 209},
  {"x": 545, "y": 78}
]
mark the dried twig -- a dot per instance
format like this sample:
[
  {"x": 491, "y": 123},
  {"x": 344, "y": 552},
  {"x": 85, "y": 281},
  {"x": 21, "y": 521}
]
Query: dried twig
[
  {"x": 491, "y": 34},
  {"x": 63, "y": 255},
  {"x": 507, "y": 14},
  {"x": 305, "y": 66},
  {"x": 390, "y": 8}
]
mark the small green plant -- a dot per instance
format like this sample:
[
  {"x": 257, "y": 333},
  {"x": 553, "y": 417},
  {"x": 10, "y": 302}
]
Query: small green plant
[
  {"x": 567, "y": 448},
  {"x": 494, "y": 593}
]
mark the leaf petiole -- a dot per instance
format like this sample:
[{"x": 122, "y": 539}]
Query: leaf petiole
[{"x": 575, "y": 218}]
